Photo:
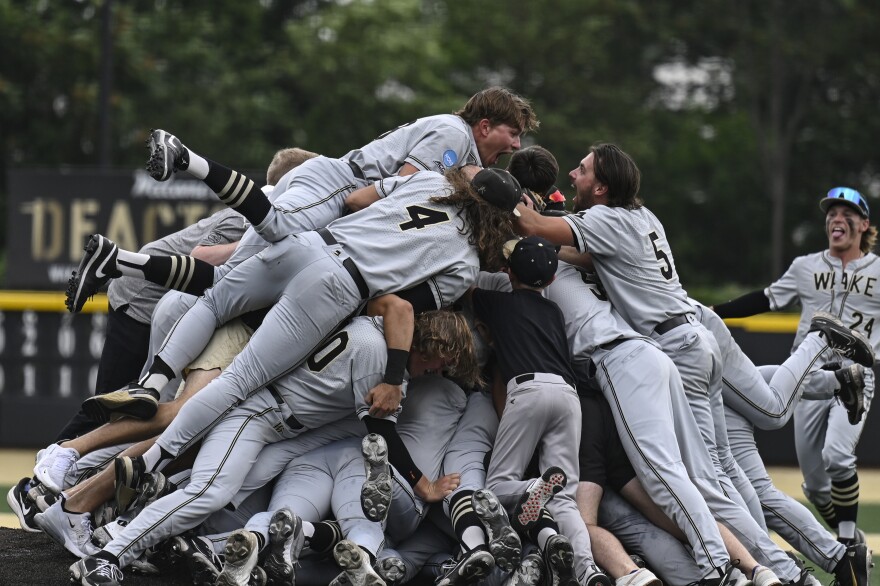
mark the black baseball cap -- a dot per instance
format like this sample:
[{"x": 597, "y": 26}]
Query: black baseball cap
[
  {"x": 533, "y": 260},
  {"x": 499, "y": 188}
]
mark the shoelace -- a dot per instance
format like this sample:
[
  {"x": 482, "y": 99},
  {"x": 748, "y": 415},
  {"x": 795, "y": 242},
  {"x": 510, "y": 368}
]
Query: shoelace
[
  {"x": 64, "y": 461},
  {"x": 107, "y": 570}
]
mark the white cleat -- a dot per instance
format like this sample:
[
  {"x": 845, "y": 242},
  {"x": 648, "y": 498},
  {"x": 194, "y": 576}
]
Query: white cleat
[{"x": 53, "y": 466}]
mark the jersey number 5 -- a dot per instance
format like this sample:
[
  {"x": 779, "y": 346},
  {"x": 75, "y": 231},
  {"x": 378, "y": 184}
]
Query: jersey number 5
[
  {"x": 421, "y": 217},
  {"x": 666, "y": 266}
]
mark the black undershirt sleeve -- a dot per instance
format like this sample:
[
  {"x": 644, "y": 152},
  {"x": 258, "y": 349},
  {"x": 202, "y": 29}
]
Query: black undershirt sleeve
[
  {"x": 420, "y": 297},
  {"x": 749, "y": 304},
  {"x": 398, "y": 455}
]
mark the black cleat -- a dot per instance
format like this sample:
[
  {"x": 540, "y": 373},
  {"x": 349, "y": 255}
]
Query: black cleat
[
  {"x": 559, "y": 560},
  {"x": 98, "y": 265},
  {"x": 846, "y": 342},
  {"x": 132, "y": 400},
  {"x": 92, "y": 571},
  {"x": 21, "y": 504},
  {"x": 204, "y": 565},
  {"x": 286, "y": 539},
  {"x": 504, "y": 543},
  {"x": 471, "y": 567},
  {"x": 167, "y": 155},
  {"x": 130, "y": 476},
  {"x": 528, "y": 509},
  {"x": 853, "y": 569},
  {"x": 852, "y": 391}
]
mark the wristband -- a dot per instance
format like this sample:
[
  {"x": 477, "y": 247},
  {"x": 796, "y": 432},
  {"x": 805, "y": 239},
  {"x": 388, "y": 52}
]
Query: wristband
[{"x": 395, "y": 366}]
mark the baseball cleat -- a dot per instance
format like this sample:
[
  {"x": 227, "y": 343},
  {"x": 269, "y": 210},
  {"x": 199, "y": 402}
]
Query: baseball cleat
[
  {"x": 376, "y": 491},
  {"x": 53, "y": 465},
  {"x": 854, "y": 568},
  {"x": 641, "y": 577},
  {"x": 98, "y": 265},
  {"x": 72, "y": 530},
  {"x": 559, "y": 561},
  {"x": 846, "y": 342},
  {"x": 167, "y": 155},
  {"x": 153, "y": 487},
  {"x": 24, "y": 508},
  {"x": 132, "y": 400},
  {"x": 504, "y": 543},
  {"x": 764, "y": 576},
  {"x": 391, "y": 569},
  {"x": 108, "y": 532},
  {"x": 528, "y": 509},
  {"x": 130, "y": 475},
  {"x": 471, "y": 567},
  {"x": 286, "y": 540},
  {"x": 529, "y": 573},
  {"x": 93, "y": 571},
  {"x": 355, "y": 564},
  {"x": 852, "y": 391},
  {"x": 240, "y": 559},
  {"x": 204, "y": 565}
]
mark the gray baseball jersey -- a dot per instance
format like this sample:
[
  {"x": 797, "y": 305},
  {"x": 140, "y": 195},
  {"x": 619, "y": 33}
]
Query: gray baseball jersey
[
  {"x": 308, "y": 284},
  {"x": 317, "y": 189},
  {"x": 819, "y": 282},
  {"x": 632, "y": 258},
  {"x": 337, "y": 376},
  {"x": 137, "y": 297},
  {"x": 433, "y": 143}
]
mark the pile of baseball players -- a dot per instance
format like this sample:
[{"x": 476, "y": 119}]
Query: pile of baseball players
[{"x": 404, "y": 364}]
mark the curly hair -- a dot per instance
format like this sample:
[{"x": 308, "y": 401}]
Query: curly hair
[
  {"x": 499, "y": 106},
  {"x": 869, "y": 239},
  {"x": 488, "y": 227},
  {"x": 445, "y": 334}
]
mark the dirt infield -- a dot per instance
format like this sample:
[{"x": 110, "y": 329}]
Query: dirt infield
[{"x": 34, "y": 559}]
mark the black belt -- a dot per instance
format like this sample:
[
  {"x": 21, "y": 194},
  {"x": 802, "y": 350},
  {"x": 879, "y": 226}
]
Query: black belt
[
  {"x": 671, "y": 323},
  {"x": 358, "y": 172},
  {"x": 291, "y": 422},
  {"x": 612, "y": 344},
  {"x": 524, "y": 378},
  {"x": 348, "y": 264}
]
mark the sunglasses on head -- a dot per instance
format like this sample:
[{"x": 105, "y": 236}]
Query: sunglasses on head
[{"x": 850, "y": 195}]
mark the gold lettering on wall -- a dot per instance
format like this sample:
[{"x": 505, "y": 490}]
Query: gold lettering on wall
[
  {"x": 82, "y": 224},
  {"x": 154, "y": 216},
  {"x": 47, "y": 218},
  {"x": 120, "y": 226}
]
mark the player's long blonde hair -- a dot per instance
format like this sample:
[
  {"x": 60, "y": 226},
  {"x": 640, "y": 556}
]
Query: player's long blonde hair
[
  {"x": 488, "y": 227},
  {"x": 869, "y": 239},
  {"x": 446, "y": 334}
]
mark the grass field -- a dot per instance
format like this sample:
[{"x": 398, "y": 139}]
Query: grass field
[{"x": 14, "y": 464}]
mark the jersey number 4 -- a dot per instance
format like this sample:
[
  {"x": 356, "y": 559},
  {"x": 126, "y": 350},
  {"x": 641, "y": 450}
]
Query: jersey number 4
[
  {"x": 421, "y": 217},
  {"x": 665, "y": 264}
]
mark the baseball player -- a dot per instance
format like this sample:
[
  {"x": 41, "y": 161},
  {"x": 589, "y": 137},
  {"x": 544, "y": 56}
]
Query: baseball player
[
  {"x": 629, "y": 251},
  {"x": 489, "y": 125},
  {"x": 840, "y": 281},
  {"x": 330, "y": 384},
  {"x": 536, "y": 170},
  {"x": 528, "y": 333},
  {"x": 783, "y": 514},
  {"x": 328, "y": 480}
]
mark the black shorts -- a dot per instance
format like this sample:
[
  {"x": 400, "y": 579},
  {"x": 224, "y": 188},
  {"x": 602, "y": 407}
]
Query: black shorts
[{"x": 602, "y": 458}]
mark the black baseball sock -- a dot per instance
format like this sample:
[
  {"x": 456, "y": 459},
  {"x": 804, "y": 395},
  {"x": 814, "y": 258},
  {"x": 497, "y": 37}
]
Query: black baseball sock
[
  {"x": 178, "y": 272},
  {"x": 238, "y": 192},
  {"x": 327, "y": 535},
  {"x": 845, "y": 498},
  {"x": 467, "y": 526}
]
